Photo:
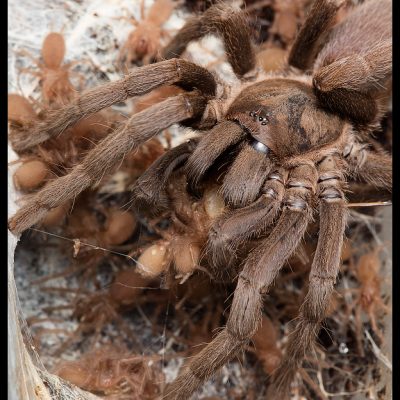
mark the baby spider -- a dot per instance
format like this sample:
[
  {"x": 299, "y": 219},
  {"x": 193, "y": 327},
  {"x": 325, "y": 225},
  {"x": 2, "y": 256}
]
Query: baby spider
[
  {"x": 284, "y": 147},
  {"x": 114, "y": 372},
  {"x": 368, "y": 296},
  {"x": 57, "y": 88},
  {"x": 143, "y": 42},
  {"x": 181, "y": 243}
]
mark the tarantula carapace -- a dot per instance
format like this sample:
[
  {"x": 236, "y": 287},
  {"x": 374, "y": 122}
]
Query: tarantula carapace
[{"x": 288, "y": 143}]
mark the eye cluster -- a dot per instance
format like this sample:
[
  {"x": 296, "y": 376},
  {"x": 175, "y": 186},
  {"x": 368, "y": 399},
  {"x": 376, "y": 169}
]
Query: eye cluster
[{"x": 259, "y": 116}]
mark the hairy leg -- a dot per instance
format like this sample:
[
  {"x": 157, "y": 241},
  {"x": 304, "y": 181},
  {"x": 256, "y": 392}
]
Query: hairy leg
[
  {"x": 349, "y": 85},
  {"x": 366, "y": 28},
  {"x": 211, "y": 146},
  {"x": 371, "y": 167},
  {"x": 139, "y": 81},
  {"x": 324, "y": 270},
  {"x": 101, "y": 160},
  {"x": 360, "y": 73},
  {"x": 225, "y": 20},
  {"x": 237, "y": 226},
  {"x": 318, "y": 21},
  {"x": 355, "y": 65},
  {"x": 149, "y": 191},
  {"x": 259, "y": 272}
]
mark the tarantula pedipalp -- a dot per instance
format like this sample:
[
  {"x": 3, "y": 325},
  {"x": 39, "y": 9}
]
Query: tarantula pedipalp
[{"x": 296, "y": 137}]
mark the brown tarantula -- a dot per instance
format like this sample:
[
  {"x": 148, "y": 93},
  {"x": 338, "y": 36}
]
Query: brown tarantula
[{"x": 288, "y": 142}]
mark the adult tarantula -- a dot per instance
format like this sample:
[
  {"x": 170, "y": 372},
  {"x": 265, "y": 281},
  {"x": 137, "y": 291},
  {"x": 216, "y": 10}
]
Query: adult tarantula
[{"x": 297, "y": 136}]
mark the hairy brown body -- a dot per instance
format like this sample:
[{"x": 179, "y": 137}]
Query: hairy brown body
[{"x": 287, "y": 145}]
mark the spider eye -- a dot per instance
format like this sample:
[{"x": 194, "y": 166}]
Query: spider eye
[{"x": 260, "y": 116}]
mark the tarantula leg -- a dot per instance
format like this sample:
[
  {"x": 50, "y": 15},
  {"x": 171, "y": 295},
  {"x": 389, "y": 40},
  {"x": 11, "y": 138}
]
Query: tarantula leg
[
  {"x": 218, "y": 139},
  {"x": 362, "y": 59},
  {"x": 374, "y": 168},
  {"x": 354, "y": 67},
  {"x": 242, "y": 183},
  {"x": 149, "y": 191},
  {"x": 260, "y": 270},
  {"x": 347, "y": 85},
  {"x": 247, "y": 303},
  {"x": 139, "y": 81},
  {"x": 360, "y": 107},
  {"x": 238, "y": 226},
  {"x": 324, "y": 270},
  {"x": 100, "y": 160},
  {"x": 318, "y": 21},
  {"x": 368, "y": 71},
  {"x": 231, "y": 24}
]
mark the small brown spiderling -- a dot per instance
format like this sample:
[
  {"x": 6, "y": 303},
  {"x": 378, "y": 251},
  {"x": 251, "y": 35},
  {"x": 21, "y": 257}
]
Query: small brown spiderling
[
  {"x": 20, "y": 110},
  {"x": 369, "y": 297},
  {"x": 266, "y": 345},
  {"x": 57, "y": 89},
  {"x": 154, "y": 260},
  {"x": 144, "y": 42},
  {"x": 119, "y": 228},
  {"x": 112, "y": 370},
  {"x": 31, "y": 175}
]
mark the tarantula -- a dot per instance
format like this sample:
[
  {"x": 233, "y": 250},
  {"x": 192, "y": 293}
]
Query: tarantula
[{"x": 296, "y": 136}]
